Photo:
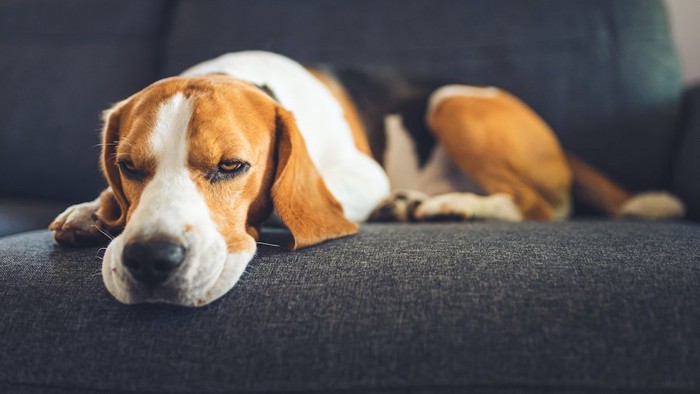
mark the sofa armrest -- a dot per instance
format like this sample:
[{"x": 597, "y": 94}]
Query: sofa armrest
[{"x": 686, "y": 170}]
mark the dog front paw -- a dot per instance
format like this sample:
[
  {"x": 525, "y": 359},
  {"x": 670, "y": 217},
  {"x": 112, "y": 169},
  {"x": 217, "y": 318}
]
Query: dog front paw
[
  {"x": 400, "y": 206},
  {"x": 76, "y": 226}
]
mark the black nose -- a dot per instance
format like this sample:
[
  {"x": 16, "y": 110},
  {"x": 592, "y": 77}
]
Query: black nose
[{"x": 152, "y": 262}]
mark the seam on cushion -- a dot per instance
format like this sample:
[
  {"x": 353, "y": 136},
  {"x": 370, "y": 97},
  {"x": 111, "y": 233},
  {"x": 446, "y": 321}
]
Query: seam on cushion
[
  {"x": 388, "y": 389},
  {"x": 518, "y": 45}
]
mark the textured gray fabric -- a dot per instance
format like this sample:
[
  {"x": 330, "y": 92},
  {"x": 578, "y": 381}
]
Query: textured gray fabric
[
  {"x": 686, "y": 178},
  {"x": 19, "y": 216},
  {"x": 477, "y": 307},
  {"x": 603, "y": 73},
  {"x": 484, "y": 307}
]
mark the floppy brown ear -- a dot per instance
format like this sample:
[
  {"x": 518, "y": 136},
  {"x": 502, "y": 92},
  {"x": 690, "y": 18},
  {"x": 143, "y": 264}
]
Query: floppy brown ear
[
  {"x": 111, "y": 216},
  {"x": 299, "y": 194}
]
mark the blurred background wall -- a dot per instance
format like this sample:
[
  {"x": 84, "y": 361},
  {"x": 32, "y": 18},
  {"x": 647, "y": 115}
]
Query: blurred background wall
[{"x": 685, "y": 17}]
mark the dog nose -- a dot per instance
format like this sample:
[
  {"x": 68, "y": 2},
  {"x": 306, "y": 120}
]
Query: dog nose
[{"x": 152, "y": 262}]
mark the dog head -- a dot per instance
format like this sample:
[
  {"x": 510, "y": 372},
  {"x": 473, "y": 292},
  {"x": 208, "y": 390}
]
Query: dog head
[{"x": 195, "y": 166}]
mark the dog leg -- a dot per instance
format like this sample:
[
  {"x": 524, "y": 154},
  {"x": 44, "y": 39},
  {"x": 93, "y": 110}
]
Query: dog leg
[
  {"x": 504, "y": 146},
  {"x": 76, "y": 225},
  {"x": 400, "y": 206},
  {"x": 81, "y": 224},
  {"x": 467, "y": 206}
]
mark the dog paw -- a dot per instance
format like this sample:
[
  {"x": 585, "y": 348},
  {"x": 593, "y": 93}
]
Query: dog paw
[
  {"x": 76, "y": 226},
  {"x": 468, "y": 206},
  {"x": 448, "y": 207},
  {"x": 653, "y": 206},
  {"x": 400, "y": 206}
]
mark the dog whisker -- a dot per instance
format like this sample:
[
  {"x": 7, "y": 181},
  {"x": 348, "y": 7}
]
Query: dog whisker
[
  {"x": 100, "y": 145},
  {"x": 267, "y": 244},
  {"x": 100, "y": 254},
  {"x": 106, "y": 234}
]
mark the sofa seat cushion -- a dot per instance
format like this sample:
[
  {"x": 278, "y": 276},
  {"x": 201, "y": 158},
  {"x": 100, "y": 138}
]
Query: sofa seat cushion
[{"x": 484, "y": 307}]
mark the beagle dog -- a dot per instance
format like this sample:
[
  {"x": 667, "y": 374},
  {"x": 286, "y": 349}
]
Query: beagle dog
[{"x": 197, "y": 163}]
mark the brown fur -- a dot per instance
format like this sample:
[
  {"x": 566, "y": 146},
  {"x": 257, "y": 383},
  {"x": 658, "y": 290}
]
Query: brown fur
[
  {"x": 506, "y": 148},
  {"x": 231, "y": 120},
  {"x": 594, "y": 189},
  {"x": 300, "y": 196},
  {"x": 352, "y": 116}
]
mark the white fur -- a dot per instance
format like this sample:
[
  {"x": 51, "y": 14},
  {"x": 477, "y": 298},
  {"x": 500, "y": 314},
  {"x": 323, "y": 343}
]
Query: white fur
[
  {"x": 400, "y": 158},
  {"x": 439, "y": 175},
  {"x": 653, "y": 205},
  {"x": 79, "y": 217},
  {"x": 563, "y": 211},
  {"x": 496, "y": 206},
  {"x": 356, "y": 181},
  {"x": 452, "y": 191},
  {"x": 169, "y": 204},
  {"x": 448, "y": 91}
]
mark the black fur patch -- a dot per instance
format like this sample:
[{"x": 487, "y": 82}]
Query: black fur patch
[
  {"x": 267, "y": 91},
  {"x": 381, "y": 91}
]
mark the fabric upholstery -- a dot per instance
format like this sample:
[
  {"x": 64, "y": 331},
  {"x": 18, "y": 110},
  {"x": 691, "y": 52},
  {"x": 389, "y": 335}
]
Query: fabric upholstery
[
  {"x": 61, "y": 64},
  {"x": 483, "y": 307},
  {"x": 603, "y": 73},
  {"x": 475, "y": 307},
  {"x": 19, "y": 216},
  {"x": 687, "y": 170}
]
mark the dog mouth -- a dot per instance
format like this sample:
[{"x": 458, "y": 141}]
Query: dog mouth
[{"x": 202, "y": 279}]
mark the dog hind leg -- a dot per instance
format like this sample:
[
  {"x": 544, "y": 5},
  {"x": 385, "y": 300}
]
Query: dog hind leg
[
  {"x": 504, "y": 146},
  {"x": 467, "y": 206}
]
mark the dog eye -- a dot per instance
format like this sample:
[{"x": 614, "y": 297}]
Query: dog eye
[
  {"x": 127, "y": 168},
  {"x": 228, "y": 169},
  {"x": 230, "y": 166}
]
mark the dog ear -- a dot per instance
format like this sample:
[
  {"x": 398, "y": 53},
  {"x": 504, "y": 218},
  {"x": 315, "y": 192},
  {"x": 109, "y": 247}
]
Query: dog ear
[
  {"x": 111, "y": 215},
  {"x": 299, "y": 194}
]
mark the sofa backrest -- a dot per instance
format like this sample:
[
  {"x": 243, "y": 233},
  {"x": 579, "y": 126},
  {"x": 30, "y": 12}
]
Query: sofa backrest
[
  {"x": 603, "y": 73},
  {"x": 61, "y": 64}
]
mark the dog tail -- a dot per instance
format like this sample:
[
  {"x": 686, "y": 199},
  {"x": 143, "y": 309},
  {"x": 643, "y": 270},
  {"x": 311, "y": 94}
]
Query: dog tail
[{"x": 595, "y": 189}]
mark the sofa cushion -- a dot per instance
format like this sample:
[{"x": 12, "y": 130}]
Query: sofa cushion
[
  {"x": 603, "y": 73},
  {"x": 482, "y": 307},
  {"x": 61, "y": 64}
]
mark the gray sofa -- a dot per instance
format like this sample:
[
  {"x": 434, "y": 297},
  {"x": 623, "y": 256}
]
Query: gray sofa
[{"x": 580, "y": 306}]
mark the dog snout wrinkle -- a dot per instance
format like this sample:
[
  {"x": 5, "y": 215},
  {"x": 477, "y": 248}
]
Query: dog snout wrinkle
[{"x": 152, "y": 262}]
